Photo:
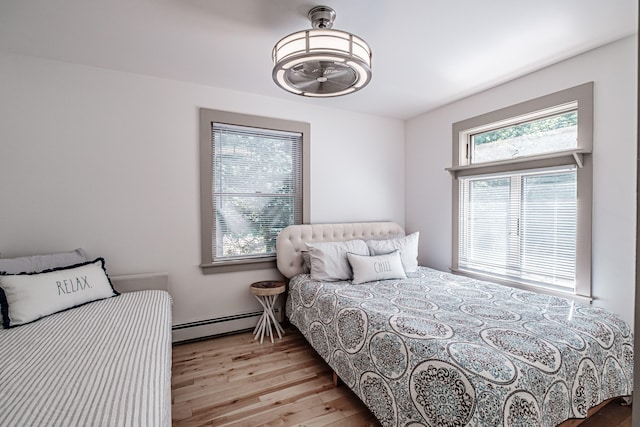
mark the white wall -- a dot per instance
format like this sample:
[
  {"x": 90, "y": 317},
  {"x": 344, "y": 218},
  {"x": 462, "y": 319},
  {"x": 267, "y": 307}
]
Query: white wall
[
  {"x": 108, "y": 161},
  {"x": 428, "y": 151}
]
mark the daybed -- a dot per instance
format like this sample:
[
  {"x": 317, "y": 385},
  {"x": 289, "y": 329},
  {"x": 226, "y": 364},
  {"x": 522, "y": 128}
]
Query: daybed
[
  {"x": 438, "y": 349},
  {"x": 102, "y": 362}
]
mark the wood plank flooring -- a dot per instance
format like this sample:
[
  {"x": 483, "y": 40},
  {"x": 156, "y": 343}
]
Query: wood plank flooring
[{"x": 236, "y": 381}]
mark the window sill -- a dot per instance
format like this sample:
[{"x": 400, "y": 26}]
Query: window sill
[
  {"x": 552, "y": 159},
  {"x": 239, "y": 265},
  {"x": 524, "y": 286}
]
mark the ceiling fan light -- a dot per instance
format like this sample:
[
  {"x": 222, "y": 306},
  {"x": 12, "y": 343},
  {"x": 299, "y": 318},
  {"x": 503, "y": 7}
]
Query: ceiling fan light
[
  {"x": 281, "y": 81},
  {"x": 299, "y": 60},
  {"x": 321, "y": 62},
  {"x": 344, "y": 92}
]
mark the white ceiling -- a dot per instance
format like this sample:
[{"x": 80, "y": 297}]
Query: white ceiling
[{"x": 426, "y": 53}]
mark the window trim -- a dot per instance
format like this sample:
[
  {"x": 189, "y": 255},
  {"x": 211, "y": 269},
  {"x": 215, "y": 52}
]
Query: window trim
[
  {"x": 207, "y": 117},
  {"x": 583, "y": 95}
]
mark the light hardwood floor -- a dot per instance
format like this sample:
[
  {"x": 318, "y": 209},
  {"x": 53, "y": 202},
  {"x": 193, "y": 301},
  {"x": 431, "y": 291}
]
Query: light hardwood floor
[{"x": 236, "y": 381}]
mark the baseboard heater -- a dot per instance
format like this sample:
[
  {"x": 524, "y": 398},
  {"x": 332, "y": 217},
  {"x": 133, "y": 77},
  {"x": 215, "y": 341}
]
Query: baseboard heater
[
  {"x": 216, "y": 320},
  {"x": 219, "y": 326}
]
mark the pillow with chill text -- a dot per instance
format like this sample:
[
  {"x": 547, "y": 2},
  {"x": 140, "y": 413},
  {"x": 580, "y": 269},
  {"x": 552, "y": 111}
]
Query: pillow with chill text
[
  {"x": 27, "y": 297},
  {"x": 376, "y": 267}
]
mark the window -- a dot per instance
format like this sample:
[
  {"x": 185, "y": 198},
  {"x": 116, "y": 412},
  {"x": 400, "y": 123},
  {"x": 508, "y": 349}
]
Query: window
[
  {"x": 522, "y": 193},
  {"x": 538, "y": 211},
  {"x": 252, "y": 186},
  {"x": 554, "y": 133}
]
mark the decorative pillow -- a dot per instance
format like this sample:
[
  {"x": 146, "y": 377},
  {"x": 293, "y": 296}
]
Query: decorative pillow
[
  {"x": 408, "y": 247},
  {"x": 376, "y": 267},
  {"x": 27, "y": 297},
  {"x": 37, "y": 263},
  {"x": 329, "y": 259}
]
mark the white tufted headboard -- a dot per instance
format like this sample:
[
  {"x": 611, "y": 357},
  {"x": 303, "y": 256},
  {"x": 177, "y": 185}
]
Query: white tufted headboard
[{"x": 291, "y": 241}]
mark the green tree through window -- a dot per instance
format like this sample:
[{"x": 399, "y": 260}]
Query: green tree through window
[
  {"x": 255, "y": 189},
  {"x": 254, "y": 182}
]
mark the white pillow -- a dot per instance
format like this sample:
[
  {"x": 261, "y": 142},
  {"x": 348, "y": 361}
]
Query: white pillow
[
  {"x": 37, "y": 263},
  {"x": 376, "y": 267},
  {"x": 27, "y": 297},
  {"x": 408, "y": 247},
  {"x": 329, "y": 259}
]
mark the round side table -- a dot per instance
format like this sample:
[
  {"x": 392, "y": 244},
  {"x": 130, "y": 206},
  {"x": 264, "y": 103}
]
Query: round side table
[{"x": 266, "y": 293}]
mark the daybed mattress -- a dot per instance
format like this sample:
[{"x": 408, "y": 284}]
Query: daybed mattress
[
  {"x": 106, "y": 363},
  {"x": 442, "y": 350}
]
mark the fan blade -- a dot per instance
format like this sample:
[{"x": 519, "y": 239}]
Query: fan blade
[{"x": 321, "y": 77}]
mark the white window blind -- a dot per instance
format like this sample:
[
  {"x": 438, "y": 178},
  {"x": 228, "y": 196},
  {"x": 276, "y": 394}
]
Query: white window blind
[
  {"x": 520, "y": 226},
  {"x": 256, "y": 188},
  {"x": 517, "y": 174}
]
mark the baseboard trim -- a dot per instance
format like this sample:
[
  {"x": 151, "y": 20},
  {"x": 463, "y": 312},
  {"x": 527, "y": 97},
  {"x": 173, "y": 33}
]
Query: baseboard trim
[
  {"x": 219, "y": 326},
  {"x": 216, "y": 320}
]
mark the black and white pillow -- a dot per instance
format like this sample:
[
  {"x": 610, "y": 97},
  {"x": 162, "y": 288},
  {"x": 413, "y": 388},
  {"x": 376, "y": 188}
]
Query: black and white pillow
[{"x": 27, "y": 297}]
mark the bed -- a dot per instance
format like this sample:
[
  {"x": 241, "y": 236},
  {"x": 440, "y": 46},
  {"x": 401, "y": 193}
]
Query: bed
[
  {"x": 105, "y": 362},
  {"x": 438, "y": 349}
]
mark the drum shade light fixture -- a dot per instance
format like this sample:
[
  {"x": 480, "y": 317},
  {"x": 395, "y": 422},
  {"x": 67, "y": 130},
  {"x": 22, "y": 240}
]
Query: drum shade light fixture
[{"x": 321, "y": 62}]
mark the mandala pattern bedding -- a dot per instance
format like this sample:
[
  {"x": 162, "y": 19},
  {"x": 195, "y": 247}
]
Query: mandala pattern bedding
[{"x": 442, "y": 350}]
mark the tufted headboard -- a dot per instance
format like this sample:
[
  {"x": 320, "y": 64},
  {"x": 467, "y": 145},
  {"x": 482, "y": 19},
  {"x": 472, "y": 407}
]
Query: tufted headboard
[{"x": 291, "y": 241}]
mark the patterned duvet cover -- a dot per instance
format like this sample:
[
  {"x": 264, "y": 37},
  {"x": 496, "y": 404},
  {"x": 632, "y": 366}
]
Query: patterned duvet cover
[{"x": 442, "y": 350}]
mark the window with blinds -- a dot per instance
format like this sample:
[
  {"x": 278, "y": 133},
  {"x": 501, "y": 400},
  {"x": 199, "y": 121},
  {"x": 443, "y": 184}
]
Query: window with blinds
[
  {"x": 254, "y": 181},
  {"x": 256, "y": 189},
  {"x": 523, "y": 193},
  {"x": 520, "y": 226}
]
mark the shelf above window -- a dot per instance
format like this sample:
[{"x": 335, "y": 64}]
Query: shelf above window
[{"x": 559, "y": 158}]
